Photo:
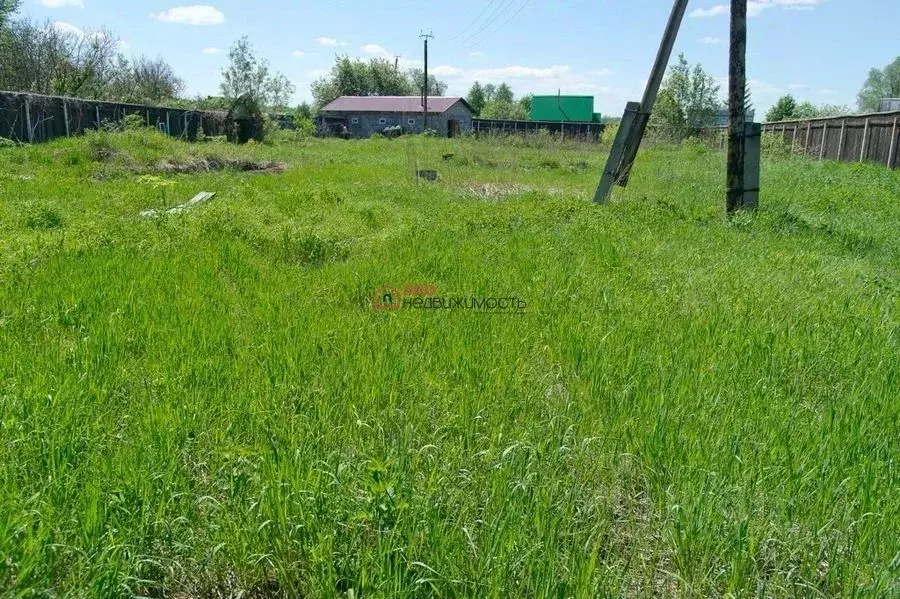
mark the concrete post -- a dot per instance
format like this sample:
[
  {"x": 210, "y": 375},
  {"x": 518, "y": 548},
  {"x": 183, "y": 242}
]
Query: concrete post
[
  {"x": 864, "y": 150},
  {"x": 30, "y": 133},
  {"x": 66, "y": 117}
]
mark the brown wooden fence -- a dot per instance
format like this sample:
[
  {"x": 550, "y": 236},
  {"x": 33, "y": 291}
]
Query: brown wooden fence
[
  {"x": 34, "y": 118},
  {"x": 864, "y": 138}
]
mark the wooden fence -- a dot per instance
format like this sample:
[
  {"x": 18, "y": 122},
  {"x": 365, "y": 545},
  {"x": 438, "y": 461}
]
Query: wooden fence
[
  {"x": 864, "y": 138},
  {"x": 588, "y": 131},
  {"x": 35, "y": 118}
]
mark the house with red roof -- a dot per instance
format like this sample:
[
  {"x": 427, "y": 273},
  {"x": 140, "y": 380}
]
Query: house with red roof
[{"x": 361, "y": 116}]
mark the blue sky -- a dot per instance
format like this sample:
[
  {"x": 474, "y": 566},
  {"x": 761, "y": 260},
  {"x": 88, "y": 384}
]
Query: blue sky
[{"x": 818, "y": 50}]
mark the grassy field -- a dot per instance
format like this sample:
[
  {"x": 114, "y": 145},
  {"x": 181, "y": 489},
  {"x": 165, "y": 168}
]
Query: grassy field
[{"x": 207, "y": 404}]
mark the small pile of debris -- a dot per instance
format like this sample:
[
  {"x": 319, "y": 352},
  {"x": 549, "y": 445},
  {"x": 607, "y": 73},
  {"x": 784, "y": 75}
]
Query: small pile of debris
[
  {"x": 200, "y": 198},
  {"x": 200, "y": 165},
  {"x": 493, "y": 191}
]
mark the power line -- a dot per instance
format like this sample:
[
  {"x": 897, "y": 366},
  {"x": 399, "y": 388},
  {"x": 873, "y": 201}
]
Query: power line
[
  {"x": 502, "y": 25},
  {"x": 467, "y": 27},
  {"x": 490, "y": 20}
]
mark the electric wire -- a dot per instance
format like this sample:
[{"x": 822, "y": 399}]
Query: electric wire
[
  {"x": 469, "y": 26},
  {"x": 502, "y": 25},
  {"x": 490, "y": 20}
]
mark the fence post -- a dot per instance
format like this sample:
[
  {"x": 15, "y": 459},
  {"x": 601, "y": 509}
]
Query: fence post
[
  {"x": 824, "y": 140},
  {"x": 840, "y": 155},
  {"x": 29, "y": 134},
  {"x": 66, "y": 117},
  {"x": 794, "y": 139},
  {"x": 97, "y": 109},
  {"x": 865, "y": 142},
  {"x": 892, "y": 150},
  {"x": 148, "y": 117},
  {"x": 168, "y": 129},
  {"x": 808, "y": 135}
]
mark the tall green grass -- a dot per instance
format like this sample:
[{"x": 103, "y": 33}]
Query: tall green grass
[{"x": 206, "y": 404}]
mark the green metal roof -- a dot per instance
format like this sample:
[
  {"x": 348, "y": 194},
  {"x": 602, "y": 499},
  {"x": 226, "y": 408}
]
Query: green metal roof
[{"x": 574, "y": 109}]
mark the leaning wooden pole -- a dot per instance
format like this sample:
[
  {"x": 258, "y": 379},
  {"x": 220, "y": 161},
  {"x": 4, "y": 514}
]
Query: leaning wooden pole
[
  {"x": 637, "y": 115},
  {"x": 737, "y": 89}
]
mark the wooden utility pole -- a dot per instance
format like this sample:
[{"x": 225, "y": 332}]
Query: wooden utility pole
[
  {"x": 737, "y": 89},
  {"x": 634, "y": 122},
  {"x": 426, "y": 37}
]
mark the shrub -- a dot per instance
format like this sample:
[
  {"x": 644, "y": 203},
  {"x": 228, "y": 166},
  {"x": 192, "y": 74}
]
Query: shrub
[
  {"x": 100, "y": 145},
  {"x": 42, "y": 216},
  {"x": 775, "y": 145},
  {"x": 305, "y": 126},
  {"x": 133, "y": 122}
]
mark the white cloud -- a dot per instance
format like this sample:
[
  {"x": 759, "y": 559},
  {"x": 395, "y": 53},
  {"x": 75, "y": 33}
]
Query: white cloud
[
  {"x": 713, "y": 11},
  {"x": 211, "y": 51},
  {"x": 476, "y": 54},
  {"x": 198, "y": 14},
  {"x": 330, "y": 42},
  {"x": 64, "y": 27},
  {"x": 712, "y": 40},
  {"x": 827, "y": 92},
  {"x": 62, "y": 3},
  {"x": 99, "y": 36},
  {"x": 299, "y": 54},
  {"x": 798, "y": 86},
  {"x": 375, "y": 50},
  {"x": 755, "y": 7}
]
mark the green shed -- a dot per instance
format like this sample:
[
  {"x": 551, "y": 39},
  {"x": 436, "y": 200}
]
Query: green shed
[{"x": 571, "y": 109}]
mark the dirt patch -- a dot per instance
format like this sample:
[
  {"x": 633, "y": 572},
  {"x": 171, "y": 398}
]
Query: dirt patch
[
  {"x": 493, "y": 191},
  {"x": 202, "y": 165}
]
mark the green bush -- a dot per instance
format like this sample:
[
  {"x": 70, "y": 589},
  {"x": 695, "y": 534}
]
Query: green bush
[
  {"x": 40, "y": 216},
  {"x": 305, "y": 127},
  {"x": 133, "y": 122}
]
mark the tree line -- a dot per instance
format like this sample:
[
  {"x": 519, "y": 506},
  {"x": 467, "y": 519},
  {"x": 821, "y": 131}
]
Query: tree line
[
  {"x": 47, "y": 58},
  {"x": 51, "y": 59},
  {"x": 879, "y": 85}
]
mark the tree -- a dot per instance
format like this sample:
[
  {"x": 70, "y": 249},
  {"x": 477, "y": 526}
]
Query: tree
[
  {"x": 693, "y": 98},
  {"x": 476, "y": 98},
  {"x": 668, "y": 113},
  {"x": 435, "y": 87},
  {"x": 247, "y": 74},
  {"x": 808, "y": 110},
  {"x": 7, "y": 9},
  {"x": 144, "y": 80},
  {"x": 354, "y": 77},
  {"x": 279, "y": 91},
  {"x": 525, "y": 104},
  {"x": 503, "y": 94},
  {"x": 881, "y": 84},
  {"x": 304, "y": 111},
  {"x": 501, "y": 103},
  {"x": 50, "y": 59},
  {"x": 375, "y": 77},
  {"x": 490, "y": 93},
  {"x": 784, "y": 109}
]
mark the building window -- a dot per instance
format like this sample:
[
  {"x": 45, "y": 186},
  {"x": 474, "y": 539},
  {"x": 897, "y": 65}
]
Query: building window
[
  {"x": 411, "y": 121},
  {"x": 354, "y": 120},
  {"x": 382, "y": 121}
]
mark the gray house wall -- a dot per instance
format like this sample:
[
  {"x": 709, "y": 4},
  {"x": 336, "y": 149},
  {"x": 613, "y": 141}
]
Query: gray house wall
[{"x": 368, "y": 123}]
